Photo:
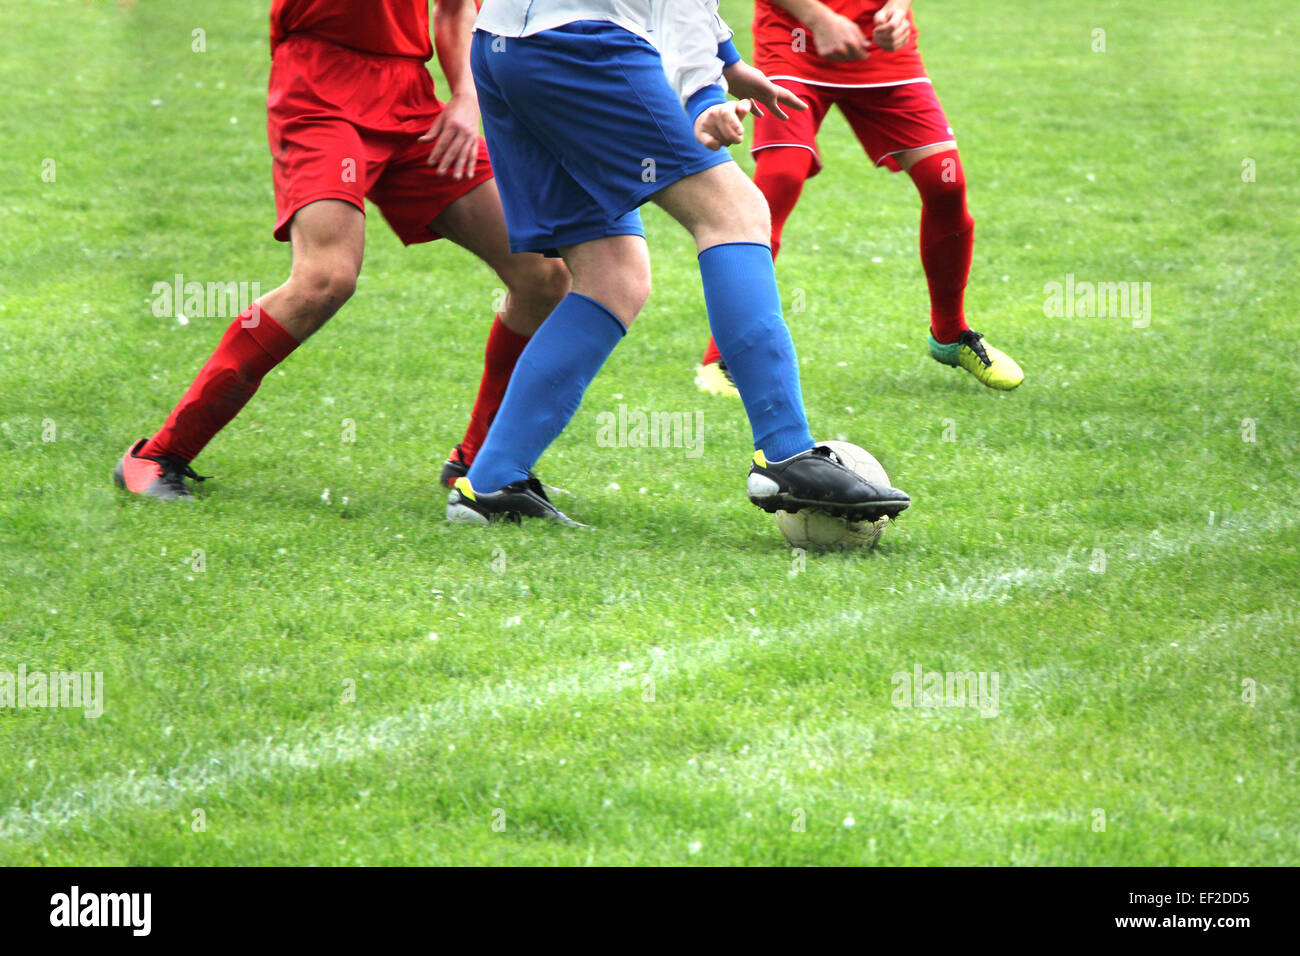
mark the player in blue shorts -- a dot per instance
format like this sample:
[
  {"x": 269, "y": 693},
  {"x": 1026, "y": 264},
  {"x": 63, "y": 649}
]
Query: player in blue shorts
[{"x": 591, "y": 109}]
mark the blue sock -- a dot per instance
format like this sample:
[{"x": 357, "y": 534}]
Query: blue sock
[
  {"x": 545, "y": 389},
  {"x": 749, "y": 329}
]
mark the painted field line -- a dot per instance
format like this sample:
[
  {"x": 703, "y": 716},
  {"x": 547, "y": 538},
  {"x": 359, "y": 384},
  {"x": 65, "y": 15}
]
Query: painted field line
[{"x": 593, "y": 679}]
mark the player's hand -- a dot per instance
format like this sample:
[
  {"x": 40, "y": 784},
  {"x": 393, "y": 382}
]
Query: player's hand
[
  {"x": 721, "y": 125},
  {"x": 838, "y": 38},
  {"x": 454, "y": 135},
  {"x": 747, "y": 82},
  {"x": 892, "y": 29}
]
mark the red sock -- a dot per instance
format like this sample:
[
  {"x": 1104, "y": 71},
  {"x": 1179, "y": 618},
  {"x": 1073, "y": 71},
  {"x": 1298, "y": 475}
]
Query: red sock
[
  {"x": 224, "y": 385},
  {"x": 947, "y": 235},
  {"x": 779, "y": 173},
  {"x": 503, "y": 349}
]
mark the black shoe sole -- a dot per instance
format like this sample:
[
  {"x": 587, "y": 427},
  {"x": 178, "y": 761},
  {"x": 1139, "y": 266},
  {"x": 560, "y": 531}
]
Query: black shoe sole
[{"x": 866, "y": 511}]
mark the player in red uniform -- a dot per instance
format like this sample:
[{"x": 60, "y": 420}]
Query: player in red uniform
[
  {"x": 352, "y": 114},
  {"x": 861, "y": 55}
]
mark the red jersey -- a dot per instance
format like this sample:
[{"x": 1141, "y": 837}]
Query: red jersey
[
  {"x": 780, "y": 51},
  {"x": 387, "y": 27}
]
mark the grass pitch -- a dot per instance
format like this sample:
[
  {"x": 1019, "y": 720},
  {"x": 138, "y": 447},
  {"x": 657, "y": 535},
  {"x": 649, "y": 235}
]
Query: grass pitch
[{"x": 310, "y": 666}]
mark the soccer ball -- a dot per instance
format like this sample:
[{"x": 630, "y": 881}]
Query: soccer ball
[{"x": 815, "y": 530}]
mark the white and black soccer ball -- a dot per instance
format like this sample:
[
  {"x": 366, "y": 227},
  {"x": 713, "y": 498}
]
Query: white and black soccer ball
[{"x": 815, "y": 530}]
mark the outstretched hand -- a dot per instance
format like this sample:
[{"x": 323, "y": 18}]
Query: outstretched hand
[{"x": 747, "y": 82}]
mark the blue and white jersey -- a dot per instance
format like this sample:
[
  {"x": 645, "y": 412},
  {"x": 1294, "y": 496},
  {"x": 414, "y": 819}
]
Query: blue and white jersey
[{"x": 687, "y": 33}]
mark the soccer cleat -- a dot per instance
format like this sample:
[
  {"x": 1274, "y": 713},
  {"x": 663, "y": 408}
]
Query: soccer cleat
[
  {"x": 517, "y": 500},
  {"x": 715, "y": 379},
  {"x": 994, "y": 368},
  {"x": 454, "y": 467},
  {"x": 457, "y": 467},
  {"x": 158, "y": 476},
  {"x": 818, "y": 479}
]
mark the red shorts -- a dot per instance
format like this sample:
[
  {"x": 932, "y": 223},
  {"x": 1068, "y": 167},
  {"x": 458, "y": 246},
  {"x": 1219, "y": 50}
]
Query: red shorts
[
  {"x": 886, "y": 119},
  {"x": 344, "y": 125}
]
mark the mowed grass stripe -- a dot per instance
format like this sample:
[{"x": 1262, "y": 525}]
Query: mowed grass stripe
[
  {"x": 591, "y": 680},
  {"x": 888, "y": 770}
]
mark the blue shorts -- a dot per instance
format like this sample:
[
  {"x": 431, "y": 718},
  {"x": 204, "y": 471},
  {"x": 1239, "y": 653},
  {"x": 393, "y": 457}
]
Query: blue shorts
[{"x": 582, "y": 127}]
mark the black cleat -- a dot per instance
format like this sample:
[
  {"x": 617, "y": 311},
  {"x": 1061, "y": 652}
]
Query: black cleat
[
  {"x": 454, "y": 467},
  {"x": 517, "y": 500},
  {"x": 818, "y": 479}
]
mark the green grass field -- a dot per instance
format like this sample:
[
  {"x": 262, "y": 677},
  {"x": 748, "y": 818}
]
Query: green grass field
[{"x": 312, "y": 658}]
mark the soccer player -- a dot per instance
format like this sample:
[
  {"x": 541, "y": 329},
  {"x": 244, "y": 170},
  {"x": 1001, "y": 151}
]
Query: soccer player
[
  {"x": 586, "y": 120},
  {"x": 352, "y": 114},
  {"x": 861, "y": 56}
]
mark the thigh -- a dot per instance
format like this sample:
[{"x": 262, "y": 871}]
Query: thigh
[
  {"x": 890, "y": 120},
  {"x": 329, "y": 237},
  {"x": 477, "y": 222},
  {"x": 718, "y": 205}
]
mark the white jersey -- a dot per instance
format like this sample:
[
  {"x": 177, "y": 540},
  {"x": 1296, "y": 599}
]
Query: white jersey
[{"x": 685, "y": 32}]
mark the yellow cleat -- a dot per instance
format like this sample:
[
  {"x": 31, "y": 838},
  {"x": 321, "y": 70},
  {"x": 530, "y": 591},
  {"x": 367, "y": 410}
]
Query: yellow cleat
[
  {"x": 994, "y": 368},
  {"x": 715, "y": 379}
]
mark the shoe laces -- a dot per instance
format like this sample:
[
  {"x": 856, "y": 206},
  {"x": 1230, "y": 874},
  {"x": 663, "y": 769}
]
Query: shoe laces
[
  {"x": 535, "y": 485},
  {"x": 726, "y": 373},
  {"x": 972, "y": 340},
  {"x": 175, "y": 471},
  {"x": 826, "y": 451}
]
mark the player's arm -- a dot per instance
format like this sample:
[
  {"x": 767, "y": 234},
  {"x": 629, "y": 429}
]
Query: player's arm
[
  {"x": 454, "y": 133},
  {"x": 698, "y": 52},
  {"x": 835, "y": 37}
]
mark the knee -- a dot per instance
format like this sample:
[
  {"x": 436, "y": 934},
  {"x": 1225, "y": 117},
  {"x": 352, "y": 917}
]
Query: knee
[
  {"x": 780, "y": 173},
  {"x": 752, "y": 217},
  {"x": 625, "y": 297},
  {"x": 948, "y": 202},
  {"x": 941, "y": 182},
  {"x": 949, "y": 191},
  {"x": 743, "y": 216},
  {"x": 628, "y": 299},
  {"x": 541, "y": 281},
  {"x": 638, "y": 293},
  {"x": 324, "y": 287}
]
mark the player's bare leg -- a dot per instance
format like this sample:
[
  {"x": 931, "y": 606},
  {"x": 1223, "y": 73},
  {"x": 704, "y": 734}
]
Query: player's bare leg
[
  {"x": 717, "y": 206},
  {"x": 534, "y": 285},
  {"x": 328, "y": 242},
  {"x": 910, "y": 157},
  {"x": 946, "y": 236},
  {"x": 614, "y": 271},
  {"x": 329, "y": 238}
]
